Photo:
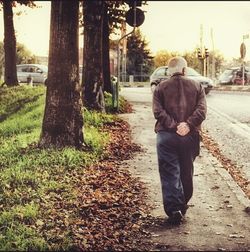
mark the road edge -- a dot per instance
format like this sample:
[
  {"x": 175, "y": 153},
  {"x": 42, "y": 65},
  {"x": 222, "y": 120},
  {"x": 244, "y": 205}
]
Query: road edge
[{"x": 241, "y": 196}]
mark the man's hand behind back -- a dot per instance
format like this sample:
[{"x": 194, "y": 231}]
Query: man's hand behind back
[{"x": 183, "y": 129}]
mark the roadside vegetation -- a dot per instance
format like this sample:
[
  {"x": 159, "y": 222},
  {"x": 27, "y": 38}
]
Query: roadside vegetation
[{"x": 65, "y": 199}]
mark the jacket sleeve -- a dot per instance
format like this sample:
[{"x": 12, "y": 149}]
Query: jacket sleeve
[
  {"x": 160, "y": 114},
  {"x": 199, "y": 114}
]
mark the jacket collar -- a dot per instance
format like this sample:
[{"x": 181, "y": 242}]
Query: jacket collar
[{"x": 177, "y": 74}]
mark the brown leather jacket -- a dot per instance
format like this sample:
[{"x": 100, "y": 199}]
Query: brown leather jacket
[{"x": 176, "y": 100}]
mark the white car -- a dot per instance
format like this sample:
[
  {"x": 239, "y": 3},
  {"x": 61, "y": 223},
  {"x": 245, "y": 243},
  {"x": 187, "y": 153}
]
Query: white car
[
  {"x": 229, "y": 76},
  {"x": 161, "y": 73},
  {"x": 37, "y": 72}
]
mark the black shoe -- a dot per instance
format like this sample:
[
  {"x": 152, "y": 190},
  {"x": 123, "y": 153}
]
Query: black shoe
[
  {"x": 184, "y": 209},
  {"x": 175, "y": 218}
]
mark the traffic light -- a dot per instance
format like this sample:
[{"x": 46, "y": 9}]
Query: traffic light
[
  {"x": 206, "y": 53},
  {"x": 199, "y": 54}
]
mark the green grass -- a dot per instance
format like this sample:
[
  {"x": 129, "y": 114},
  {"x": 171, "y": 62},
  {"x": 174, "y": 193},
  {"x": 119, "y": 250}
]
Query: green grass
[{"x": 32, "y": 180}]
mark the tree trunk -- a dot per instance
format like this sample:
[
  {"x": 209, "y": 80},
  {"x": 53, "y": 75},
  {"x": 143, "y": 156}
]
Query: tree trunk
[
  {"x": 10, "y": 72},
  {"x": 105, "y": 52},
  {"x": 63, "y": 119},
  {"x": 92, "y": 59}
]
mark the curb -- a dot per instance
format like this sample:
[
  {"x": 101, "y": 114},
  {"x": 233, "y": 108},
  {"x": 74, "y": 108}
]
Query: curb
[
  {"x": 223, "y": 173},
  {"x": 215, "y": 88},
  {"x": 232, "y": 88}
]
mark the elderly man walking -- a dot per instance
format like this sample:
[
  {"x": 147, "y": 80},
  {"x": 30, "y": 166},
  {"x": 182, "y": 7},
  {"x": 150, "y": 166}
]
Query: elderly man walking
[{"x": 179, "y": 107}]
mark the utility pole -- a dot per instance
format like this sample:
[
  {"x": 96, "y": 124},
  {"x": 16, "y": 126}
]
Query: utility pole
[
  {"x": 203, "y": 54},
  {"x": 124, "y": 52},
  {"x": 243, "y": 54},
  {"x": 202, "y": 50},
  {"x": 213, "y": 56}
]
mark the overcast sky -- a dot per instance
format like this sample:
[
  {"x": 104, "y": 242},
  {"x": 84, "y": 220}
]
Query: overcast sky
[
  {"x": 175, "y": 25},
  {"x": 168, "y": 25}
]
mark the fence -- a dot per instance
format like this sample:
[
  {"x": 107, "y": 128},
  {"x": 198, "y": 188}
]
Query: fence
[{"x": 134, "y": 78}]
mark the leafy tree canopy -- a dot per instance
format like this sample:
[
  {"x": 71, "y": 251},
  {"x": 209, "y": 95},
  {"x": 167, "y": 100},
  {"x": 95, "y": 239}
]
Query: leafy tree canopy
[
  {"x": 162, "y": 57},
  {"x": 28, "y": 3},
  {"x": 24, "y": 56}
]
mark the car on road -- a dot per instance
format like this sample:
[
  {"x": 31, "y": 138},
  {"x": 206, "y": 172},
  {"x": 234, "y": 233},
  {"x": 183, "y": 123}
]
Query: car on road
[
  {"x": 161, "y": 73},
  {"x": 37, "y": 72},
  {"x": 229, "y": 76}
]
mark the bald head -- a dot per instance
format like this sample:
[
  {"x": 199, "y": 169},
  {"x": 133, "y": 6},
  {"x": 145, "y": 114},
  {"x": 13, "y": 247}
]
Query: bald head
[{"x": 177, "y": 65}]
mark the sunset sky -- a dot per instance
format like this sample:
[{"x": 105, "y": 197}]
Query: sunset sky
[{"x": 168, "y": 25}]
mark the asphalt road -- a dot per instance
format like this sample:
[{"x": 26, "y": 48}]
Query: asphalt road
[
  {"x": 216, "y": 219},
  {"x": 234, "y": 104},
  {"x": 228, "y": 121}
]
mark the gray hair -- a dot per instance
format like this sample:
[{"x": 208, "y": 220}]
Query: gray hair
[{"x": 176, "y": 65}]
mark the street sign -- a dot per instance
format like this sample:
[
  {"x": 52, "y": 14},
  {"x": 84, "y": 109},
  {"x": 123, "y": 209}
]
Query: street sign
[
  {"x": 242, "y": 50},
  {"x": 139, "y": 17}
]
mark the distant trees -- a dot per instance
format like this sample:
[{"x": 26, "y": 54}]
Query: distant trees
[
  {"x": 219, "y": 62},
  {"x": 197, "y": 64},
  {"x": 23, "y": 55},
  {"x": 63, "y": 119},
  {"x": 162, "y": 57},
  {"x": 139, "y": 59},
  {"x": 193, "y": 61}
]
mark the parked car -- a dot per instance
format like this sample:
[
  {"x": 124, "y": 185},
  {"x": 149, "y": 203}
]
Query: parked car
[
  {"x": 37, "y": 72},
  {"x": 161, "y": 73},
  {"x": 232, "y": 76}
]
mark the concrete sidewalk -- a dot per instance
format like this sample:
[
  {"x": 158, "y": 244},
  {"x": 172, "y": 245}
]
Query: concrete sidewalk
[
  {"x": 240, "y": 88},
  {"x": 216, "y": 219}
]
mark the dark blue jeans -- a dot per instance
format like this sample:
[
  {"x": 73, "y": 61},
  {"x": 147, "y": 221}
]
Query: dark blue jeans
[{"x": 176, "y": 155}]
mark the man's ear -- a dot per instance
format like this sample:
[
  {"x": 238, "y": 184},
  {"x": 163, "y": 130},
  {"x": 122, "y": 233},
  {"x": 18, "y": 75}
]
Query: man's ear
[{"x": 184, "y": 71}]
